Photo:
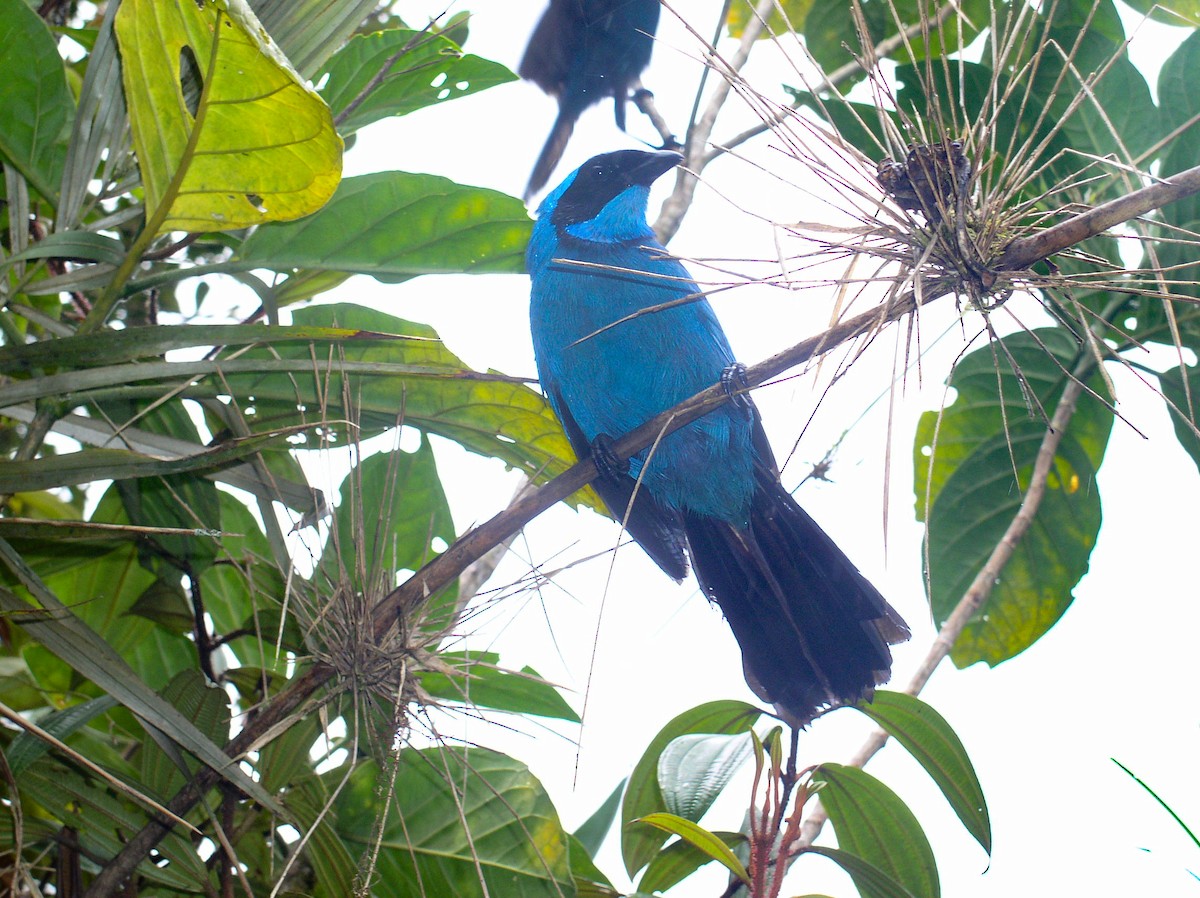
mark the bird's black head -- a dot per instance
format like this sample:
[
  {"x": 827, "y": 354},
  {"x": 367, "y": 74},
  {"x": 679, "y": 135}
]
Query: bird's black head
[{"x": 603, "y": 178}]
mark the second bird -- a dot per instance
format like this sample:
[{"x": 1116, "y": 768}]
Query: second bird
[{"x": 581, "y": 52}]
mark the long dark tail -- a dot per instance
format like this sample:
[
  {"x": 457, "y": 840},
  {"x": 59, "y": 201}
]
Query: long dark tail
[
  {"x": 552, "y": 151},
  {"x": 814, "y": 633}
]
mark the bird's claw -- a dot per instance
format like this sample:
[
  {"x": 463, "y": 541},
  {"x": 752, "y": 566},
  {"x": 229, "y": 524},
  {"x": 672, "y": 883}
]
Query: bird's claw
[
  {"x": 733, "y": 382},
  {"x": 608, "y": 463}
]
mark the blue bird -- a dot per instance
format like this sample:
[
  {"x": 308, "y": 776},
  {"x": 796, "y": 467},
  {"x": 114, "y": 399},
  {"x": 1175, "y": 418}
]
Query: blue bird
[
  {"x": 814, "y": 633},
  {"x": 581, "y": 52}
]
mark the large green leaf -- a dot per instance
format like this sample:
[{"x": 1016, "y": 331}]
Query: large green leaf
[
  {"x": 309, "y": 31},
  {"x": 475, "y": 678},
  {"x": 38, "y": 106},
  {"x": 872, "y": 823},
  {"x": 204, "y": 705},
  {"x": 113, "y": 346},
  {"x": 998, "y": 385},
  {"x": 424, "y": 69},
  {"x": 870, "y": 880},
  {"x": 592, "y": 832},
  {"x": 974, "y": 466},
  {"x": 643, "y": 796},
  {"x": 454, "y": 816},
  {"x": 929, "y": 739},
  {"x": 400, "y": 224},
  {"x": 968, "y": 521},
  {"x": 1180, "y": 108},
  {"x": 392, "y": 511},
  {"x": 227, "y": 134},
  {"x": 27, "y": 748},
  {"x": 679, "y": 860}
]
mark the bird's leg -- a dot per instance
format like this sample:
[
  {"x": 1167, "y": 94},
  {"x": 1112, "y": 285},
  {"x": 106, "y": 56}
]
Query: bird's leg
[
  {"x": 608, "y": 463},
  {"x": 733, "y": 381}
]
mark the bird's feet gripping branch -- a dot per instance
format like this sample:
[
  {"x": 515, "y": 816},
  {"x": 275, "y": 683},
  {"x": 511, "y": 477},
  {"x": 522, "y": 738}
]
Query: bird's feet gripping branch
[{"x": 615, "y": 346}]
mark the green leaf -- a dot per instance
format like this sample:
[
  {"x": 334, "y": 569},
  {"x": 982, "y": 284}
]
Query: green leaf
[
  {"x": 75, "y": 245},
  {"x": 969, "y": 519},
  {"x": 1177, "y": 12},
  {"x": 991, "y": 395},
  {"x": 459, "y": 815},
  {"x": 393, "y": 508},
  {"x": 478, "y": 681},
  {"x": 91, "y": 465},
  {"x": 428, "y": 68},
  {"x": 333, "y": 865},
  {"x": 227, "y": 134},
  {"x": 965, "y": 463},
  {"x": 396, "y": 223},
  {"x": 1180, "y": 103},
  {"x": 591, "y": 832},
  {"x": 1181, "y": 390},
  {"x": 707, "y": 843},
  {"x": 929, "y": 739},
  {"x": 27, "y": 748},
  {"x": 873, "y": 824},
  {"x": 38, "y": 106},
  {"x": 644, "y": 796},
  {"x": 587, "y": 876},
  {"x": 678, "y": 861},
  {"x": 695, "y": 768},
  {"x": 870, "y": 880}
]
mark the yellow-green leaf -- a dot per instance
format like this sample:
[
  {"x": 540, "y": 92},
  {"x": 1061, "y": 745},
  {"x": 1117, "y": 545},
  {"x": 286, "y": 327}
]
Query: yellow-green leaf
[
  {"x": 709, "y": 843},
  {"x": 227, "y": 134}
]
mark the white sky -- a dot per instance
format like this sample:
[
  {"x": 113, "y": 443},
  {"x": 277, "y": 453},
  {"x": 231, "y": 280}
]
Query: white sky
[{"x": 1113, "y": 679}]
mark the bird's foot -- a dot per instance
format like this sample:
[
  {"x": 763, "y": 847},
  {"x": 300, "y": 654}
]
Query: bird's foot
[
  {"x": 733, "y": 382},
  {"x": 608, "y": 463}
]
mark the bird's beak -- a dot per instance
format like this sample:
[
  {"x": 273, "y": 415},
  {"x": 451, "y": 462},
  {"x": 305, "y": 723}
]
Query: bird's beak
[{"x": 652, "y": 167}]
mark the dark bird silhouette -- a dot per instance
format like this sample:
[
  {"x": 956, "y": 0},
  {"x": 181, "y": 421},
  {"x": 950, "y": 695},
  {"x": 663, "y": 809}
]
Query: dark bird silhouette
[
  {"x": 581, "y": 52},
  {"x": 813, "y": 632}
]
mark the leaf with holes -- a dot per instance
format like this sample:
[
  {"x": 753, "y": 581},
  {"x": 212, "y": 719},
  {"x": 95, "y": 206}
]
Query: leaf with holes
[
  {"x": 227, "y": 134},
  {"x": 418, "y": 68}
]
